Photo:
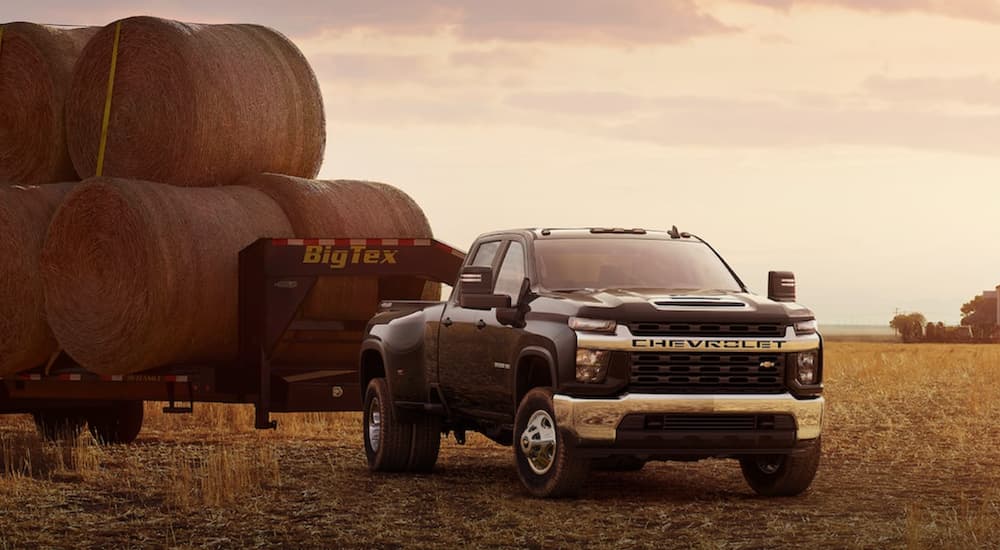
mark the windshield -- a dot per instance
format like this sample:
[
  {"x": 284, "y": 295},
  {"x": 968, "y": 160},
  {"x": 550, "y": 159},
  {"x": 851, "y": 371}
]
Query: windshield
[{"x": 570, "y": 264}]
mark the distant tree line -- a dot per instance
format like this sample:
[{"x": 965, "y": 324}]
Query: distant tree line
[{"x": 979, "y": 324}]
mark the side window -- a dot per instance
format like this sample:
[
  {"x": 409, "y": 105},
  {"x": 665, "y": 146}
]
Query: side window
[
  {"x": 484, "y": 257},
  {"x": 511, "y": 274},
  {"x": 485, "y": 254}
]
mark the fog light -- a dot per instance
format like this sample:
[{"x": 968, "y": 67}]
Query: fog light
[
  {"x": 592, "y": 365},
  {"x": 807, "y": 368}
]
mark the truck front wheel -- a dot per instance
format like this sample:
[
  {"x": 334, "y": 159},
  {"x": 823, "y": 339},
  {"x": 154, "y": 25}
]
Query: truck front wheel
[
  {"x": 118, "y": 425},
  {"x": 782, "y": 475},
  {"x": 547, "y": 461},
  {"x": 387, "y": 439}
]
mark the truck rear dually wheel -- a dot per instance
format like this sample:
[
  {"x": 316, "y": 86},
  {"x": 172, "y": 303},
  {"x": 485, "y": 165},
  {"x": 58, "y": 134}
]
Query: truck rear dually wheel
[
  {"x": 782, "y": 475},
  {"x": 547, "y": 461},
  {"x": 387, "y": 439}
]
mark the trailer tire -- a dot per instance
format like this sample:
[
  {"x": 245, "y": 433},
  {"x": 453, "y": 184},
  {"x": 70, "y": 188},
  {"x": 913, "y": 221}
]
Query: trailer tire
[
  {"x": 426, "y": 443},
  {"x": 118, "y": 425},
  {"x": 546, "y": 457},
  {"x": 58, "y": 425},
  {"x": 388, "y": 441},
  {"x": 782, "y": 476}
]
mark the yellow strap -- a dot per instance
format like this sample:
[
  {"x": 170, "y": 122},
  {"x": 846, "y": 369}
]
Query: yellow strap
[{"x": 107, "y": 102}]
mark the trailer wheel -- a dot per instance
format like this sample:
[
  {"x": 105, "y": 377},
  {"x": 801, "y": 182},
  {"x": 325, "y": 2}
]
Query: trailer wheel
[
  {"x": 547, "y": 461},
  {"x": 59, "y": 425},
  {"x": 779, "y": 475},
  {"x": 387, "y": 440},
  {"x": 118, "y": 425},
  {"x": 426, "y": 443}
]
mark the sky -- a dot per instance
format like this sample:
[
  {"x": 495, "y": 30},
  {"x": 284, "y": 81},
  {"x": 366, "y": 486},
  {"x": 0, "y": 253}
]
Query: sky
[{"x": 854, "y": 142}]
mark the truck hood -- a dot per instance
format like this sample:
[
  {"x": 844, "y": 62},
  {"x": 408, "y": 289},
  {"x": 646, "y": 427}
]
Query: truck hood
[{"x": 659, "y": 305}]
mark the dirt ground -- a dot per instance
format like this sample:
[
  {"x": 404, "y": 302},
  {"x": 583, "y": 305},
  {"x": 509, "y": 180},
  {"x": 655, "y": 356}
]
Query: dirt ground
[{"x": 910, "y": 460}]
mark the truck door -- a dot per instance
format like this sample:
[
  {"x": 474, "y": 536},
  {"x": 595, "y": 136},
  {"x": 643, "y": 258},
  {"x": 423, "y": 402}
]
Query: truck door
[
  {"x": 463, "y": 352},
  {"x": 504, "y": 339}
]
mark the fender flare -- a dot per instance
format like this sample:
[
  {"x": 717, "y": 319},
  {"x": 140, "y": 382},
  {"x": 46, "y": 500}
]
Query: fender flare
[
  {"x": 368, "y": 345},
  {"x": 534, "y": 352}
]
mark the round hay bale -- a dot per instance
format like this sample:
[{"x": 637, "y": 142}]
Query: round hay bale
[
  {"x": 36, "y": 64},
  {"x": 344, "y": 208},
  {"x": 139, "y": 275},
  {"x": 195, "y": 105},
  {"x": 25, "y": 212}
]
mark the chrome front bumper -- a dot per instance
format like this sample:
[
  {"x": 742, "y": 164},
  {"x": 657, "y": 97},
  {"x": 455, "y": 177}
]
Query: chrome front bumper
[{"x": 595, "y": 421}]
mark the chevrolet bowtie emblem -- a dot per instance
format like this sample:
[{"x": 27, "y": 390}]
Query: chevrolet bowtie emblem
[{"x": 767, "y": 364}]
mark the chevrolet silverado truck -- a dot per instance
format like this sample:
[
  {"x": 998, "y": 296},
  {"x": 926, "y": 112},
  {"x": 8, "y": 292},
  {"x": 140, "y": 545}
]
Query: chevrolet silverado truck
[{"x": 599, "y": 348}]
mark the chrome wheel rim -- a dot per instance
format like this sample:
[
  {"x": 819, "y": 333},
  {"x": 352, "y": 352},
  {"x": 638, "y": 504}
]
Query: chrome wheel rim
[
  {"x": 538, "y": 442},
  {"x": 374, "y": 425},
  {"x": 769, "y": 464}
]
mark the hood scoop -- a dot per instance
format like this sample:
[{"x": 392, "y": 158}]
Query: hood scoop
[{"x": 698, "y": 302}]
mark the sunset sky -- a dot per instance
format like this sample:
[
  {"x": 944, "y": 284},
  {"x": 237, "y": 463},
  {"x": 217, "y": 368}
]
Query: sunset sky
[{"x": 856, "y": 142}]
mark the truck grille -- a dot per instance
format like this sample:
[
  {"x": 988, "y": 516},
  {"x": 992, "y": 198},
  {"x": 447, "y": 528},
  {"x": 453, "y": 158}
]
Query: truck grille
[
  {"x": 707, "y": 329},
  {"x": 707, "y": 373}
]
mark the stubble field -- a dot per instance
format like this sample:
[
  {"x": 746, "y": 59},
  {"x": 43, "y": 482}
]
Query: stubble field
[{"x": 910, "y": 460}]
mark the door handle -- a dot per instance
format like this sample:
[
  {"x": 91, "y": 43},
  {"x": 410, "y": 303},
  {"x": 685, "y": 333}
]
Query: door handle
[
  {"x": 480, "y": 324},
  {"x": 447, "y": 322}
]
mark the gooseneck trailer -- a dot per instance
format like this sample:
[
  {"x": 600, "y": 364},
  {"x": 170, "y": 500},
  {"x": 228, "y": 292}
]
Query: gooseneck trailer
[{"x": 276, "y": 277}]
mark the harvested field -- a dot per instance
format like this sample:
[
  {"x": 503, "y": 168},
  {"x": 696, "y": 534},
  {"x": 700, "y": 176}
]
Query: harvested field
[{"x": 910, "y": 461}]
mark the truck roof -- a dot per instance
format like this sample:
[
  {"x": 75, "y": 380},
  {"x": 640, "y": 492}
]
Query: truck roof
[{"x": 541, "y": 233}]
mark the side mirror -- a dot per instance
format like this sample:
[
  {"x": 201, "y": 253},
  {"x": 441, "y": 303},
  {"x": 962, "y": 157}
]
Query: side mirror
[
  {"x": 781, "y": 286},
  {"x": 477, "y": 290},
  {"x": 514, "y": 316}
]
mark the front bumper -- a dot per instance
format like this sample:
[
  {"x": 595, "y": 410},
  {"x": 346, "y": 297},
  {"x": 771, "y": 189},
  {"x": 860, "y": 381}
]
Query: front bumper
[{"x": 595, "y": 422}]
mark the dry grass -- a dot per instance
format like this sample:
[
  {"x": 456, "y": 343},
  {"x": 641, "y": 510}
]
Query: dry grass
[{"x": 910, "y": 461}]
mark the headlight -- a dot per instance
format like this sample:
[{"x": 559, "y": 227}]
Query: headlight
[
  {"x": 806, "y": 327},
  {"x": 592, "y": 325},
  {"x": 807, "y": 368},
  {"x": 592, "y": 365}
]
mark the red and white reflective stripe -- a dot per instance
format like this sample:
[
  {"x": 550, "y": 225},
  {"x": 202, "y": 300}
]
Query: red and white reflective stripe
[
  {"x": 103, "y": 378},
  {"x": 367, "y": 242}
]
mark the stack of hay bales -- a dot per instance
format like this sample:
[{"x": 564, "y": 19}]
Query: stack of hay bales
[
  {"x": 25, "y": 338},
  {"x": 181, "y": 132},
  {"x": 36, "y": 63}
]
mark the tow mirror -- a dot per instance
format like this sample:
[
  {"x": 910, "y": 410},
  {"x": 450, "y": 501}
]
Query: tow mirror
[
  {"x": 514, "y": 316},
  {"x": 477, "y": 280},
  {"x": 477, "y": 290},
  {"x": 781, "y": 286}
]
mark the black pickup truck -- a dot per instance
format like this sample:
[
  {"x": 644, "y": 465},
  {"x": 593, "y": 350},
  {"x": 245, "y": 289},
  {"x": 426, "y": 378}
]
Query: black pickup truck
[{"x": 599, "y": 348}]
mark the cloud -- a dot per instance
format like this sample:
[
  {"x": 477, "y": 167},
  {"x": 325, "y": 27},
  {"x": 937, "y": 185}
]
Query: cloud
[
  {"x": 971, "y": 90},
  {"x": 495, "y": 57},
  {"x": 622, "y": 21},
  {"x": 979, "y": 10},
  {"x": 371, "y": 69},
  {"x": 691, "y": 121}
]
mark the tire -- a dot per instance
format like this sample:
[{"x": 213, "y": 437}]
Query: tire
[
  {"x": 59, "y": 425},
  {"x": 426, "y": 443},
  {"x": 388, "y": 441},
  {"x": 619, "y": 464},
  {"x": 547, "y": 461},
  {"x": 118, "y": 425},
  {"x": 781, "y": 475}
]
